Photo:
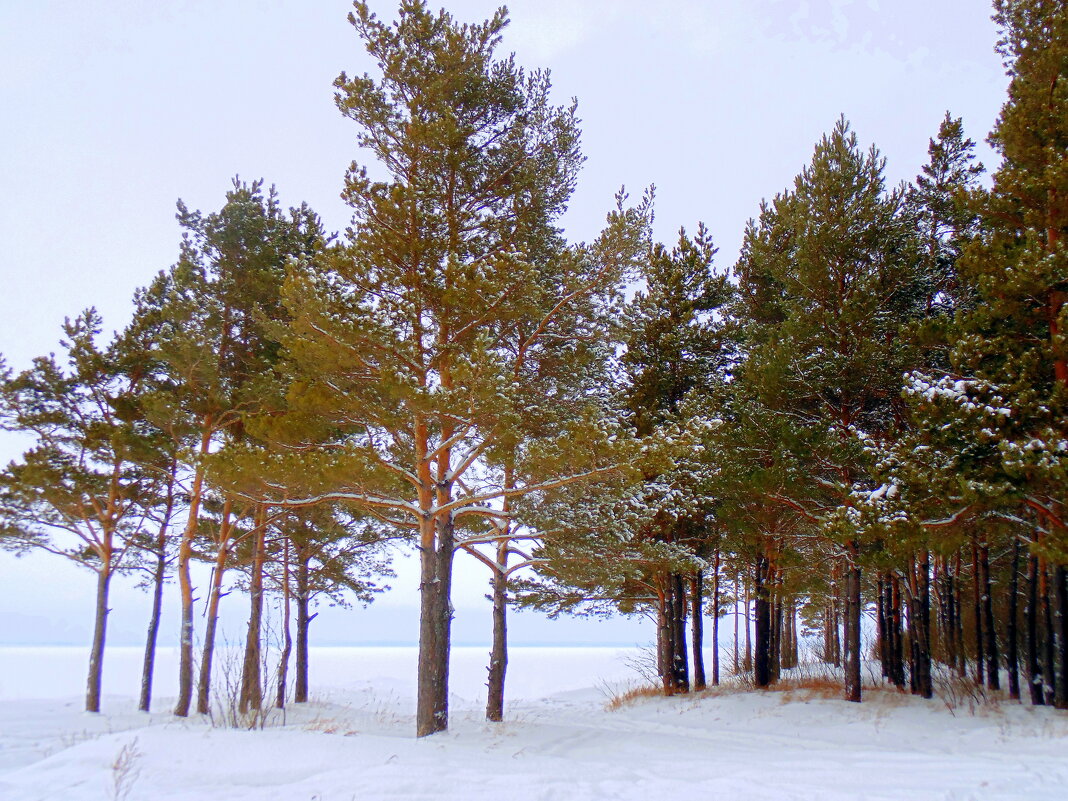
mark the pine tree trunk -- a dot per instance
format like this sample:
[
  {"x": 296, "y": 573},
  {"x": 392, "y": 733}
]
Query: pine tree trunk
[
  {"x": 950, "y": 632},
  {"x": 775, "y": 647},
  {"x": 828, "y": 634},
  {"x": 498, "y": 664},
  {"x": 788, "y": 634},
  {"x": 941, "y": 654},
  {"x": 897, "y": 640},
  {"x": 251, "y": 695},
  {"x": 697, "y": 630},
  {"x": 287, "y": 640},
  {"x": 100, "y": 626},
  {"x": 958, "y": 601},
  {"x": 737, "y": 611},
  {"x": 715, "y": 622},
  {"x": 663, "y": 648},
  {"x": 149, "y": 665},
  {"x": 924, "y": 684},
  {"x": 882, "y": 628},
  {"x": 207, "y": 653},
  {"x": 1060, "y": 585},
  {"x": 912, "y": 604},
  {"x": 185, "y": 582},
  {"x": 1034, "y": 670},
  {"x": 747, "y": 665},
  {"x": 853, "y": 610},
  {"x": 680, "y": 662},
  {"x": 980, "y": 663},
  {"x": 794, "y": 655},
  {"x": 1012, "y": 658},
  {"x": 1049, "y": 691},
  {"x": 435, "y": 623},
  {"x": 836, "y": 633},
  {"x": 300, "y": 679},
  {"x": 993, "y": 679},
  {"x": 762, "y": 661}
]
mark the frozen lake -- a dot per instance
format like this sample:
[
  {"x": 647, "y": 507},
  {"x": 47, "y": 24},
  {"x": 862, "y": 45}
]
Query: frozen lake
[{"x": 560, "y": 740}]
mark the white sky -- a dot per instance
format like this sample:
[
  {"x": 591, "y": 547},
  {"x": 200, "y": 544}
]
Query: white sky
[{"x": 111, "y": 111}]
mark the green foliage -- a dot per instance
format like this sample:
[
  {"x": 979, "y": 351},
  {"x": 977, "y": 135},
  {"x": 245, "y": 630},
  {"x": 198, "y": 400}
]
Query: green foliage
[
  {"x": 452, "y": 325},
  {"x": 84, "y": 486},
  {"x": 993, "y": 432}
]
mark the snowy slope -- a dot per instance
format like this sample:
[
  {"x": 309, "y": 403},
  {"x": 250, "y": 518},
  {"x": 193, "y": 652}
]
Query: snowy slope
[{"x": 354, "y": 742}]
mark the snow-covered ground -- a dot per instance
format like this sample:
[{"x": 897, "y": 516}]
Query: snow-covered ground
[{"x": 354, "y": 742}]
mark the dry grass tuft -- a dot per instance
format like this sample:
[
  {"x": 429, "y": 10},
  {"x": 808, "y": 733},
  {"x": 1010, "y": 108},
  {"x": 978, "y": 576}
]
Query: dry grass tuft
[
  {"x": 807, "y": 687},
  {"x": 330, "y": 726},
  {"x": 632, "y": 695}
]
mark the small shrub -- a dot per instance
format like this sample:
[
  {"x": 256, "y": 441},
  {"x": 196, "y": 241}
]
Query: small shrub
[
  {"x": 645, "y": 663},
  {"x": 959, "y": 690},
  {"x": 125, "y": 770}
]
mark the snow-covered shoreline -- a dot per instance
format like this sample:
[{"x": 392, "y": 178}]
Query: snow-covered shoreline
[{"x": 354, "y": 741}]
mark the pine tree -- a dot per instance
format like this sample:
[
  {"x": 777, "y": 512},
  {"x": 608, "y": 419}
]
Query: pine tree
[
  {"x": 942, "y": 201},
  {"x": 210, "y": 313},
  {"x": 401, "y": 381},
  {"x": 994, "y": 426},
  {"x": 327, "y": 554},
  {"x": 637, "y": 541},
  {"x": 136, "y": 353},
  {"x": 82, "y": 489},
  {"x": 674, "y": 351},
  {"x": 827, "y": 278}
]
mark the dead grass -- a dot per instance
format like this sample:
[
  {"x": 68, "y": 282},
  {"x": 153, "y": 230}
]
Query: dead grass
[
  {"x": 807, "y": 687},
  {"x": 330, "y": 726},
  {"x": 830, "y": 689},
  {"x": 632, "y": 695}
]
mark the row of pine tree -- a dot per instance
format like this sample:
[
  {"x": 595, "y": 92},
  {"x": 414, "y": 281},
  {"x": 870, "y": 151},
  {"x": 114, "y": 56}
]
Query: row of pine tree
[{"x": 864, "y": 419}]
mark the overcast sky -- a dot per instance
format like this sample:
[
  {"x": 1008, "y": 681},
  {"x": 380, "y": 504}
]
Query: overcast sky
[{"x": 112, "y": 111}]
